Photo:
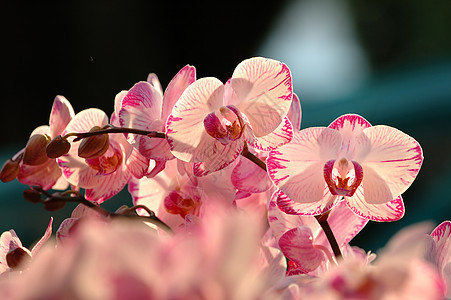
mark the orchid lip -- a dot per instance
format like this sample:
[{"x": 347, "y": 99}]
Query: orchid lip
[
  {"x": 225, "y": 125},
  {"x": 342, "y": 176},
  {"x": 107, "y": 163}
]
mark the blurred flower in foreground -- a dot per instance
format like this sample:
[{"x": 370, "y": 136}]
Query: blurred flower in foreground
[
  {"x": 220, "y": 258},
  {"x": 370, "y": 166},
  {"x": 440, "y": 252}
]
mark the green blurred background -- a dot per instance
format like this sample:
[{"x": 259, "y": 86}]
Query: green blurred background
[{"x": 389, "y": 61}]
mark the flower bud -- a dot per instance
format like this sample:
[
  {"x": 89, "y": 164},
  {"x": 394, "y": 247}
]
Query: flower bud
[
  {"x": 9, "y": 171},
  {"x": 94, "y": 146},
  {"x": 35, "y": 153},
  {"x": 54, "y": 205},
  {"x": 18, "y": 258},
  {"x": 32, "y": 196},
  {"x": 57, "y": 147}
]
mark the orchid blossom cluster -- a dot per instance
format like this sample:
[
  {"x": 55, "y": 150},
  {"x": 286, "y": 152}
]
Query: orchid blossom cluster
[{"x": 231, "y": 200}]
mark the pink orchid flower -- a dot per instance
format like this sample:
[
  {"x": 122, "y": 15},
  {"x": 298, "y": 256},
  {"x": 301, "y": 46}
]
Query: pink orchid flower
[
  {"x": 48, "y": 175},
  {"x": 14, "y": 256},
  {"x": 441, "y": 252},
  {"x": 370, "y": 166},
  {"x": 210, "y": 122},
  {"x": 145, "y": 107},
  {"x": 106, "y": 175},
  {"x": 303, "y": 241}
]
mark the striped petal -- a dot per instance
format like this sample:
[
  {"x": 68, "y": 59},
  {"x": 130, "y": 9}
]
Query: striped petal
[
  {"x": 249, "y": 177},
  {"x": 44, "y": 175},
  {"x": 442, "y": 237},
  {"x": 297, "y": 168},
  {"x": 280, "y": 136},
  {"x": 152, "y": 78},
  {"x": 295, "y": 113},
  {"x": 45, "y": 237},
  {"x": 185, "y": 131},
  {"x": 390, "y": 159},
  {"x": 139, "y": 165},
  {"x": 140, "y": 107},
  {"x": 108, "y": 186},
  {"x": 175, "y": 88},
  {"x": 297, "y": 245},
  {"x": 61, "y": 114},
  {"x": 264, "y": 91},
  {"x": 386, "y": 212},
  {"x": 291, "y": 207}
]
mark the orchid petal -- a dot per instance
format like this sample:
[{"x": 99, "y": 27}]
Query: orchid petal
[
  {"x": 140, "y": 107},
  {"x": 152, "y": 78},
  {"x": 280, "y": 136},
  {"x": 64, "y": 230},
  {"x": 108, "y": 186},
  {"x": 45, "y": 237},
  {"x": 62, "y": 113},
  {"x": 264, "y": 92},
  {"x": 295, "y": 113},
  {"x": 138, "y": 165},
  {"x": 220, "y": 157},
  {"x": 350, "y": 126},
  {"x": 155, "y": 148},
  {"x": 297, "y": 245},
  {"x": 442, "y": 238},
  {"x": 185, "y": 132},
  {"x": 390, "y": 159},
  {"x": 297, "y": 168},
  {"x": 386, "y": 212},
  {"x": 44, "y": 175},
  {"x": 291, "y": 207},
  {"x": 175, "y": 88},
  {"x": 249, "y": 177},
  {"x": 43, "y": 129},
  {"x": 114, "y": 120}
]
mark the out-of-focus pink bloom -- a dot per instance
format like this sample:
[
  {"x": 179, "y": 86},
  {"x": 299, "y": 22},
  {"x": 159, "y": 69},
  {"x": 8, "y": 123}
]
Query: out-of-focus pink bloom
[
  {"x": 106, "y": 175},
  {"x": 145, "y": 107},
  {"x": 13, "y": 255},
  {"x": 303, "y": 241},
  {"x": 174, "y": 193},
  {"x": 370, "y": 166},
  {"x": 210, "y": 122},
  {"x": 48, "y": 175},
  {"x": 219, "y": 259},
  {"x": 441, "y": 252}
]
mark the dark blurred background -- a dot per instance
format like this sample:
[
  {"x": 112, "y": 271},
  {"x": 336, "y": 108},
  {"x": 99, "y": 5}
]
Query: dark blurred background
[{"x": 389, "y": 61}]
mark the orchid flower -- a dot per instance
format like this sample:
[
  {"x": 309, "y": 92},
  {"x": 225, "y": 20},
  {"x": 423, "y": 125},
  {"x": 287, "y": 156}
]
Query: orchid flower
[
  {"x": 145, "y": 107},
  {"x": 369, "y": 166},
  {"x": 211, "y": 122},
  {"x": 47, "y": 174},
  {"x": 14, "y": 256},
  {"x": 105, "y": 175},
  {"x": 303, "y": 241},
  {"x": 441, "y": 252}
]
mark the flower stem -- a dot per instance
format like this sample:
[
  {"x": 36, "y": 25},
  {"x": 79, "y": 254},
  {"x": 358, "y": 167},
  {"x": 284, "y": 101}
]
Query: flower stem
[
  {"x": 112, "y": 129},
  {"x": 322, "y": 220},
  {"x": 249, "y": 155}
]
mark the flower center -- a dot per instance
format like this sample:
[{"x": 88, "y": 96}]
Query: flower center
[
  {"x": 225, "y": 125},
  {"x": 106, "y": 163},
  {"x": 343, "y": 177},
  {"x": 178, "y": 203}
]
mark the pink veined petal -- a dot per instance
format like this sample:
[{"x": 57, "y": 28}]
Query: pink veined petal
[
  {"x": 137, "y": 164},
  {"x": 249, "y": 177},
  {"x": 140, "y": 107},
  {"x": 86, "y": 119},
  {"x": 159, "y": 166},
  {"x": 297, "y": 168},
  {"x": 61, "y": 114},
  {"x": 117, "y": 107},
  {"x": 159, "y": 149},
  {"x": 350, "y": 126},
  {"x": 295, "y": 113},
  {"x": 344, "y": 223},
  {"x": 8, "y": 241},
  {"x": 61, "y": 183},
  {"x": 175, "y": 88},
  {"x": 63, "y": 231},
  {"x": 81, "y": 211},
  {"x": 152, "y": 78},
  {"x": 43, "y": 129},
  {"x": 45, "y": 175},
  {"x": 297, "y": 246},
  {"x": 185, "y": 131},
  {"x": 280, "y": 136},
  {"x": 442, "y": 237},
  {"x": 390, "y": 159},
  {"x": 45, "y": 237},
  {"x": 264, "y": 92},
  {"x": 281, "y": 222},
  {"x": 109, "y": 185},
  {"x": 291, "y": 207},
  {"x": 220, "y": 157},
  {"x": 386, "y": 212}
]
